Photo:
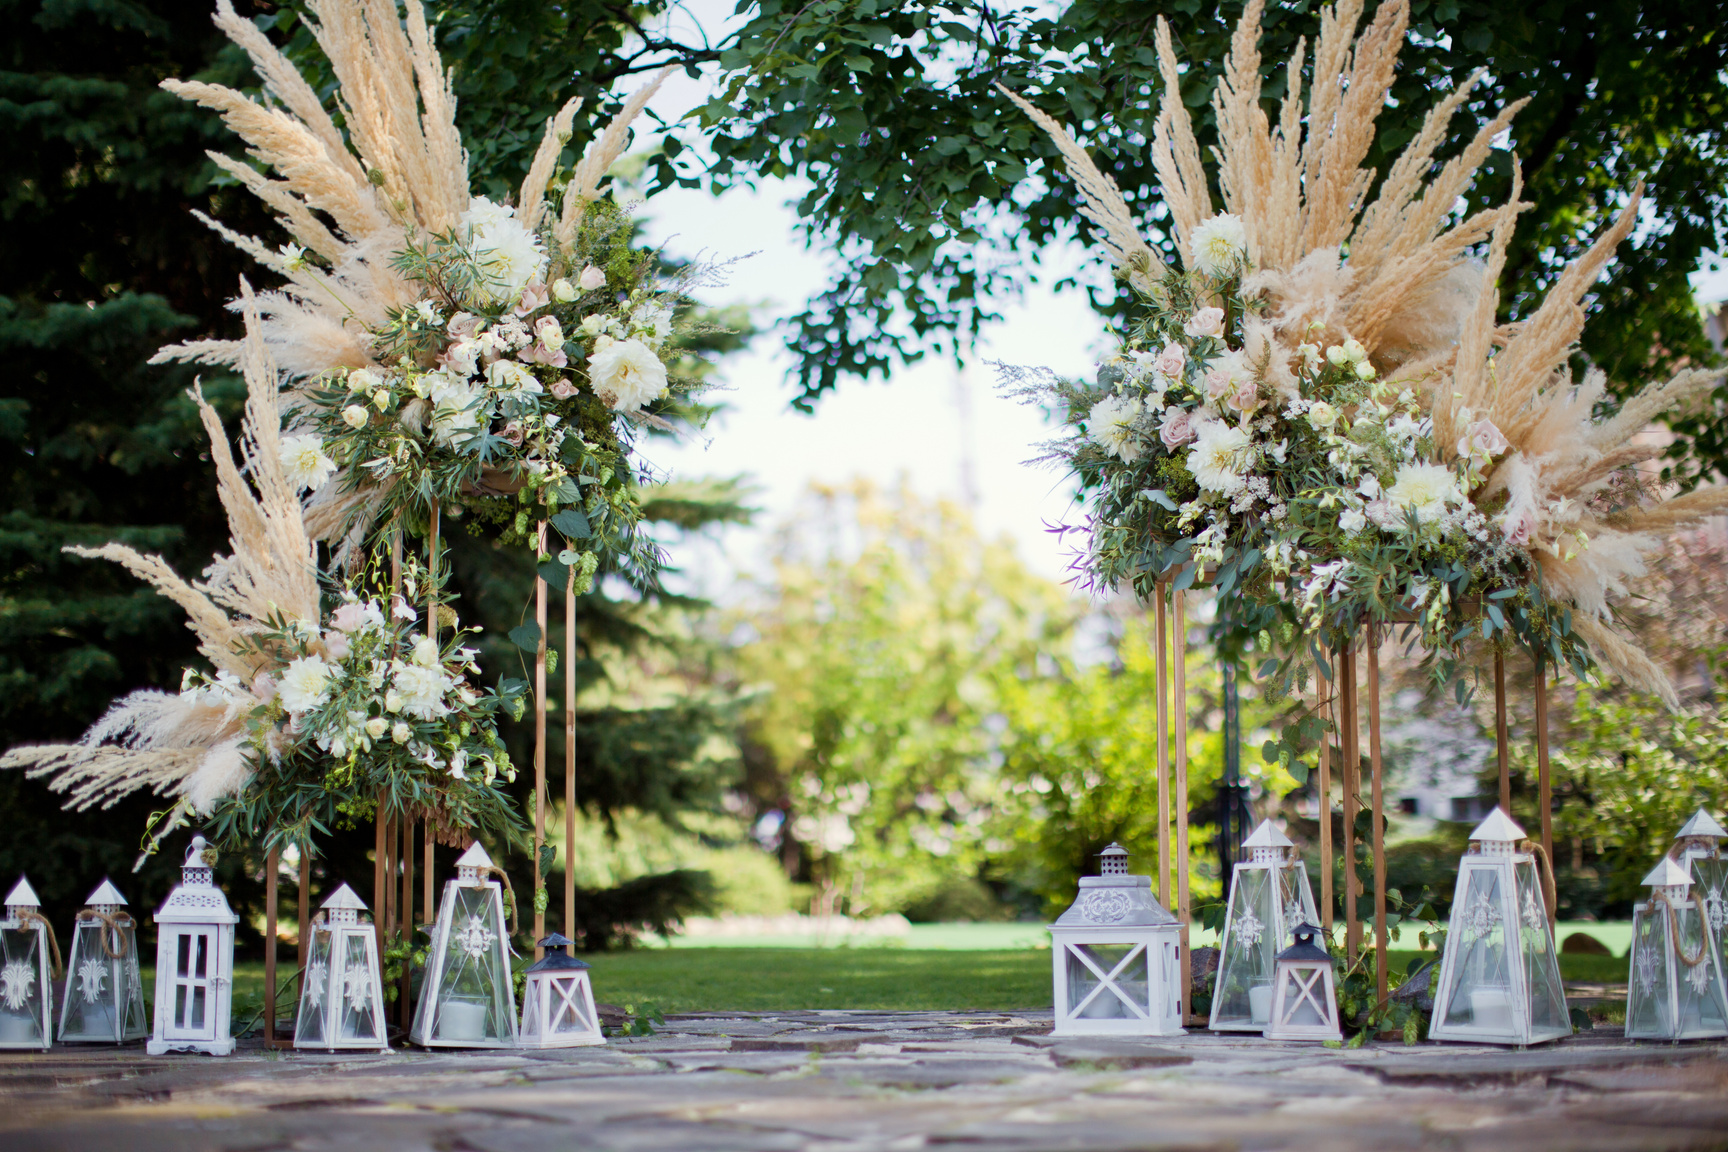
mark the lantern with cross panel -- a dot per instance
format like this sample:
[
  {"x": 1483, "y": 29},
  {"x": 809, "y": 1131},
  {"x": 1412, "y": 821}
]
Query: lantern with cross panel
[
  {"x": 558, "y": 1001},
  {"x": 194, "y": 962},
  {"x": 26, "y": 979},
  {"x": 104, "y": 998},
  {"x": 1115, "y": 957},
  {"x": 1304, "y": 996}
]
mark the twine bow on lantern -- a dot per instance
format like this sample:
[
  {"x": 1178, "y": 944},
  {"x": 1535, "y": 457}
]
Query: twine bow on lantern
[
  {"x": 1550, "y": 891},
  {"x": 504, "y": 876},
  {"x": 27, "y": 916},
  {"x": 1674, "y": 932},
  {"x": 113, "y": 924}
]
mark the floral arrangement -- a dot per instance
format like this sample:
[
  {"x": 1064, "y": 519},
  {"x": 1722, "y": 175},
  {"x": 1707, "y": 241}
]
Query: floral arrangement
[
  {"x": 445, "y": 354},
  {"x": 1318, "y": 408}
]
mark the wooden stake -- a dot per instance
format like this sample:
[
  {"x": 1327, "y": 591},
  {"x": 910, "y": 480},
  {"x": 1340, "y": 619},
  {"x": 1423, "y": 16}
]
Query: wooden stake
[
  {"x": 428, "y": 893},
  {"x": 1183, "y": 908},
  {"x": 1352, "y": 801},
  {"x": 392, "y": 828},
  {"x": 539, "y": 738},
  {"x": 380, "y": 866},
  {"x": 1377, "y": 814},
  {"x": 407, "y": 919},
  {"x": 1544, "y": 788},
  {"x": 272, "y": 863},
  {"x": 305, "y": 909},
  {"x": 1500, "y": 733},
  {"x": 1162, "y": 684},
  {"x": 570, "y": 760},
  {"x": 1323, "y": 789}
]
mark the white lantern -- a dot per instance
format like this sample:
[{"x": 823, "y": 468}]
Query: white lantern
[
  {"x": 1269, "y": 897},
  {"x": 1698, "y": 846},
  {"x": 194, "y": 963},
  {"x": 557, "y": 1001},
  {"x": 342, "y": 989},
  {"x": 1304, "y": 996},
  {"x": 104, "y": 999},
  {"x": 1115, "y": 957},
  {"x": 26, "y": 978},
  {"x": 1500, "y": 976},
  {"x": 1675, "y": 989},
  {"x": 467, "y": 1000}
]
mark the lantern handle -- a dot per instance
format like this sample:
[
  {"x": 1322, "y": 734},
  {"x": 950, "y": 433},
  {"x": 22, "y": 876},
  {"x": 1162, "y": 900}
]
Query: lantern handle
[
  {"x": 27, "y": 916},
  {"x": 1674, "y": 931},
  {"x": 111, "y": 924},
  {"x": 505, "y": 876},
  {"x": 1550, "y": 892}
]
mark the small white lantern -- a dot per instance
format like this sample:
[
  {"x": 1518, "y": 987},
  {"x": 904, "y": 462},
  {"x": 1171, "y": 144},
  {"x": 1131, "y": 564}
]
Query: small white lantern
[
  {"x": 467, "y": 1000},
  {"x": 1500, "y": 975},
  {"x": 1304, "y": 996},
  {"x": 1698, "y": 846},
  {"x": 104, "y": 999},
  {"x": 342, "y": 990},
  {"x": 194, "y": 963},
  {"x": 558, "y": 1001},
  {"x": 1675, "y": 989},
  {"x": 1115, "y": 958},
  {"x": 1269, "y": 897},
  {"x": 26, "y": 978}
]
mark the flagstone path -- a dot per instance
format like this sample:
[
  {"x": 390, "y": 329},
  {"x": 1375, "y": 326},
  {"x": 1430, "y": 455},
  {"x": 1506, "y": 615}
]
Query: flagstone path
[{"x": 877, "y": 1082}]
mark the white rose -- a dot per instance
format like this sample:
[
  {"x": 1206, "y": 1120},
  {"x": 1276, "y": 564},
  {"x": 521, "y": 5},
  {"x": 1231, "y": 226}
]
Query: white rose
[
  {"x": 354, "y": 416},
  {"x": 304, "y": 462},
  {"x": 305, "y": 684},
  {"x": 363, "y": 380},
  {"x": 392, "y": 701},
  {"x": 627, "y": 375},
  {"x": 592, "y": 324},
  {"x": 563, "y": 291},
  {"x": 400, "y": 732},
  {"x": 1219, "y": 245},
  {"x": 1322, "y": 415},
  {"x": 1364, "y": 370},
  {"x": 1337, "y": 355},
  {"x": 1354, "y": 352},
  {"x": 425, "y": 651},
  {"x": 377, "y": 726}
]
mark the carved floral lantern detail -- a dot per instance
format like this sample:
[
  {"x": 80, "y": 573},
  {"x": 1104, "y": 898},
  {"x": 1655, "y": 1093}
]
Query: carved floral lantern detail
[{"x": 1115, "y": 957}]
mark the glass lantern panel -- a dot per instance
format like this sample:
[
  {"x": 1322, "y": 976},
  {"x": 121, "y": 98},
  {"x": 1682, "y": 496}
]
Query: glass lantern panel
[
  {"x": 1115, "y": 978},
  {"x": 359, "y": 1020},
  {"x": 1699, "y": 991},
  {"x": 314, "y": 990},
  {"x": 1243, "y": 992},
  {"x": 1649, "y": 1011},
  {"x": 1548, "y": 1012},
  {"x": 569, "y": 1006},
  {"x": 1710, "y": 887},
  {"x": 1481, "y": 992},
  {"x": 21, "y": 989},
  {"x": 1304, "y": 994},
  {"x": 474, "y": 989},
  {"x": 134, "y": 1023},
  {"x": 99, "y": 985},
  {"x": 1296, "y": 900}
]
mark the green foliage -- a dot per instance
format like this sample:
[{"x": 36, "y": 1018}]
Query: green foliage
[{"x": 939, "y": 197}]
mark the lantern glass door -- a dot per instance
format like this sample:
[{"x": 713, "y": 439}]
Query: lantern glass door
[
  {"x": 1243, "y": 990},
  {"x": 1548, "y": 1013},
  {"x": 358, "y": 1021},
  {"x": 23, "y": 991},
  {"x": 1108, "y": 981},
  {"x": 314, "y": 991},
  {"x": 104, "y": 1000},
  {"x": 1482, "y": 987},
  {"x": 474, "y": 987},
  {"x": 192, "y": 987},
  {"x": 1710, "y": 885}
]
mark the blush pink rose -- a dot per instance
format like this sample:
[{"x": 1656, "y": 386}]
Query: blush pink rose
[
  {"x": 463, "y": 325},
  {"x": 264, "y": 687},
  {"x": 592, "y": 278},
  {"x": 1218, "y": 383},
  {"x": 1171, "y": 361},
  {"x": 1205, "y": 322},
  {"x": 513, "y": 433},
  {"x": 536, "y": 295},
  {"x": 1246, "y": 398},
  {"x": 1177, "y": 429},
  {"x": 563, "y": 389},
  {"x": 1483, "y": 437},
  {"x": 1519, "y": 528}
]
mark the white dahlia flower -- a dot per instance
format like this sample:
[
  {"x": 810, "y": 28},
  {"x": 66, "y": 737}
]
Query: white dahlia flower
[
  {"x": 305, "y": 462},
  {"x": 626, "y": 374},
  {"x": 1220, "y": 245},
  {"x": 1215, "y": 460},
  {"x": 1110, "y": 424},
  {"x": 305, "y": 684},
  {"x": 1427, "y": 488}
]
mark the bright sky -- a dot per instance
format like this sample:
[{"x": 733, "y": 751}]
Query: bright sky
[{"x": 911, "y": 425}]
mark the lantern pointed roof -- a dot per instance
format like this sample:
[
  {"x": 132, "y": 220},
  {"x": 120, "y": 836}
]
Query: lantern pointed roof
[
  {"x": 475, "y": 857},
  {"x": 1500, "y": 827},
  {"x": 22, "y": 895},
  {"x": 1668, "y": 874},
  {"x": 105, "y": 893},
  {"x": 1702, "y": 824},
  {"x": 344, "y": 897},
  {"x": 1268, "y": 836}
]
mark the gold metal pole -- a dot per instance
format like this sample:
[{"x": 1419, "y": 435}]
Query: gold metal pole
[
  {"x": 1352, "y": 802},
  {"x": 272, "y": 862},
  {"x": 1323, "y": 789},
  {"x": 539, "y": 738},
  {"x": 1377, "y": 813},
  {"x": 570, "y": 760},
  {"x": 1544, "y": 786},
  {"x": 1162, "y": 681},
  {"x": 1500, "y": 733},
  {"x": 1183, "y": 907}
]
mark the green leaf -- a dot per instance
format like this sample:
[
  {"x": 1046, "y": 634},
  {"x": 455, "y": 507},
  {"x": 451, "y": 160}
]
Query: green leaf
[
  {"x": 555, "y": 573},
  {"x": 526, "y": 637},
  {"x": 572, "y": 524}
]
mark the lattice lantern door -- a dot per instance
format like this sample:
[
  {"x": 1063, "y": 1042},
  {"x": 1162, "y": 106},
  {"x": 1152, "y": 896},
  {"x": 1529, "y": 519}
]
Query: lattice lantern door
[
  {"x": 1115, "y": 957},
  {"x": 467, "y": 1000},
  {"x": 194, "y": 962},
  {"x": 104, "y": 998},
  {"x": 26, "y": 979}
]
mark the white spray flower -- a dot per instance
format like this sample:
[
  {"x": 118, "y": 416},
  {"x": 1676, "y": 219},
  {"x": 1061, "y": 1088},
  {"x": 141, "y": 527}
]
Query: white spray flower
[
  {"x": 1215, "y": 459},
  {"x": 1427, "y": 488},
  {"x": 304, "y": 462}
]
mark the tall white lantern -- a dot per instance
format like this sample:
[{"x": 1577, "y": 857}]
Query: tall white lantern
[
  {"x": 1304, "y": 997},
  {"x": 1698, "y": 846},
  {"x": 1500, "y": 976},
  {"x": 1269, "y": 897},
  {"x": 194, "y": 963},
  {"x": 26, "y": 977},
  {"x": 342, "y": 990},
  {"x": 104, "y": 999},
  {"x": 467, "y": 1000},
  {"x": 1674, "y": 989},
  {"x": 1115, "y": 957},
  {"x": 557, "y": 1001}
]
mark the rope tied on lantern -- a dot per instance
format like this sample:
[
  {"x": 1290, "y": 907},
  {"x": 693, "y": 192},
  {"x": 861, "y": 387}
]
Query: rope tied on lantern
[
  {"x": 110, "y": 924},
  {"x": 31, "y": 916},
  {"x": 1550, "y": 891},
  {"x": 1674, "y": 932},
  {"x": 509, "y": 892}
]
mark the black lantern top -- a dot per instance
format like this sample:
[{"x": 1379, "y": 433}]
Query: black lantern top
[
  {"x": 555, "y": 958},
  {"x": 1305, "y": 948}
]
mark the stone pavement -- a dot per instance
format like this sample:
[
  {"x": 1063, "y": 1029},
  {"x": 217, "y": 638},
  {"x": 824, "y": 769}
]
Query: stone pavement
[{"x": 877, "y": 1082}]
